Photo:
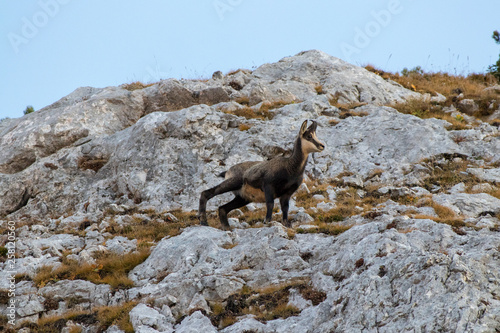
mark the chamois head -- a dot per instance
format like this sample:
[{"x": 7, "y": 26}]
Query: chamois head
[{"x": 309, "y": 140}]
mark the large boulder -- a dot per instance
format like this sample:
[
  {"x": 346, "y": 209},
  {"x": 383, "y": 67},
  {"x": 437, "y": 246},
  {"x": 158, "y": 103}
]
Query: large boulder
[
  {"x": 300, "y": 77},
  {"x": 87, "y": 112}
]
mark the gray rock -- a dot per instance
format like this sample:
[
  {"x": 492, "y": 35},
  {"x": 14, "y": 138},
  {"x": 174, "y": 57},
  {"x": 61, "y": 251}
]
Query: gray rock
[
  {"x": 85, "y": 112},
  {"x": 114, "y": 329},
  {"x": 80, "y": 164},
  {"x": 154, "y": 161},
  {"x": 142, "y": 316},
  {"x": 86, "y": 292},
  {"x": 28, "y": 305},
  {"x": 217, "y": 75},
  {"x": 303, "y": 217},
  {"x": 438, "y": 98},
  {"x": 489, "y": 175},
  {"x": 195, "y": 323},
  {"x": 121, "y": 245},
  {"x": 468, "y": 106},
  {"x": 458, "y": 188},
  {"x": 318, "y": 197},
  {"x": 295, "y": 299},
  {"x": 296, "y": 77},
  {"x": 469, "y": 205}
]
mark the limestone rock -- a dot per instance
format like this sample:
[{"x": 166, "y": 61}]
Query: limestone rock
[
  {"x": 85, "y": 112},
  {"x": 142, "y": 316},
  {"x": 469, "y": 205},
  {"x": 195, "y": 323},
  {"x": 489, "y": 175},
  {"x": 86, "y": 292},
  {"x": 121, "y": 245},
  {"x": 99, "y": 160}
]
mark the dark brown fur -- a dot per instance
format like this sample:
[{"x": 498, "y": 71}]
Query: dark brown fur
[{"x": 265, "y": 181}]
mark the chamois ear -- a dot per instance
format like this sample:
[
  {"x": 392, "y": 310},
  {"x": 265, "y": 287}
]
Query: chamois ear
[
  {"x": 303, "y": 128},
  {"x": 313, "y": 126}
]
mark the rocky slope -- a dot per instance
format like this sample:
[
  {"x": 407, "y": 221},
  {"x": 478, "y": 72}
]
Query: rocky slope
[{"x": 420, "y": 251}]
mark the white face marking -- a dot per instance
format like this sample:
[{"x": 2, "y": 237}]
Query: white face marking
[{"x": 309, "y": 147}]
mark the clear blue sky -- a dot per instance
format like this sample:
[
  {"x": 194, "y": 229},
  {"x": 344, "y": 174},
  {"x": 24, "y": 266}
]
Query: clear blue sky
[{"x": 48, "y": 48}]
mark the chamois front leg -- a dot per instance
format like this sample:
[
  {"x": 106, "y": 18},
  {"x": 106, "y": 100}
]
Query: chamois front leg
[
  {"x": 284, "y": 201},
  {"x": 268, "y": 192}
]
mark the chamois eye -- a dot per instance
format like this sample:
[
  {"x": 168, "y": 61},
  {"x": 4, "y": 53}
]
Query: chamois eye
[{"x": 309, "y": 137}]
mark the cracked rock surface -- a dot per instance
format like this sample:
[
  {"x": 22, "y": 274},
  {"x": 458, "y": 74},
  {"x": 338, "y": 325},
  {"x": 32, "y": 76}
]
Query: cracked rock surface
[{"x": 112, "y": 172}]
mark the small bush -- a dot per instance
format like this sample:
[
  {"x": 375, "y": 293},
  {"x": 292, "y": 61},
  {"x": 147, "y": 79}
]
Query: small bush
[
  {"x": 495, "y": 69},
  {"x": 319, "y": 89},
  {"x": 29, "y": 109}
]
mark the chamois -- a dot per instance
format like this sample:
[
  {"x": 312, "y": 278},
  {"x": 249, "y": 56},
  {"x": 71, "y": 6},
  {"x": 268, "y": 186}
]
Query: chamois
[{"x": 264, "y": 181}]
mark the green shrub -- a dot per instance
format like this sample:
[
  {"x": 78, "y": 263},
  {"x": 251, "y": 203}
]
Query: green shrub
[
  {"x": 495, "y": 69},
  {"x": 29, "y": 109}
]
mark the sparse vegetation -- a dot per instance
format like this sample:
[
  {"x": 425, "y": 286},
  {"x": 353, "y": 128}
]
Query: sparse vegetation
[
  {"x": 328, "y": 228},
  {"x": 454, "y": 88},
  {"x": 244, "y": 127},
  {"x": 95, "y": 164},
  {"x": 446, "y": 173},
  {"x": 136, "y": 85},
  {"x": 263, "y": 112},
  {"x": 29, "y": 109},
  {"x": 495, "y": 69},
  {"x": 426, "y": 109},
  {"x": 103, "y": 317},
  {"x": 252, "y": 113},
  {"x": 349, "y": 113},
  {"x": 265, "y": 304},
  {"x": 319, "y": 89},
  {"x": 159, "y": 226},
  {"x": 109, "y": 269}
]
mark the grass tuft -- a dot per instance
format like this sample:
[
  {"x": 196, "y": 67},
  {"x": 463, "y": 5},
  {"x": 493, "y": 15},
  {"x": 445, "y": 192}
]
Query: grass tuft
[
  {"x": 137, "y": 85},
  {"x": 265, "y": 304},
  {"x": 109, "y": 269},
  {"x": 101, "y": 317}
]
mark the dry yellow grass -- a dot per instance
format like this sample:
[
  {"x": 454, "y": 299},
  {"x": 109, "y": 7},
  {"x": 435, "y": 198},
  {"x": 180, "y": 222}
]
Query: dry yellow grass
[
  {"x": 244, "y": 127},
  {"x": 102, "y": 317},
  {"x": 109, "y": 269},
  {"x": 319, "y": 89},
  {"x": 446, "y": 84},
  {"x": 328, "y": 228},
  {"x": 448, "y": 174},
  {"x": 136, "y": 85},
  {"x": 426, "y": 109},
  {"x": 251, "y": 113},
  {"x": 451, "y": 86},
  {"x": 160, "y": 226}
]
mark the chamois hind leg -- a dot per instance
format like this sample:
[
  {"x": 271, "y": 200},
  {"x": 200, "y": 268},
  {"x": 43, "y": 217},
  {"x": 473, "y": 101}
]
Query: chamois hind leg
[
  {"x": 284, "y": 201},
  {"x": 268, "y": 192},
  {"x": 237, "y": 202},
  {"x": 231, "y": 184}
]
